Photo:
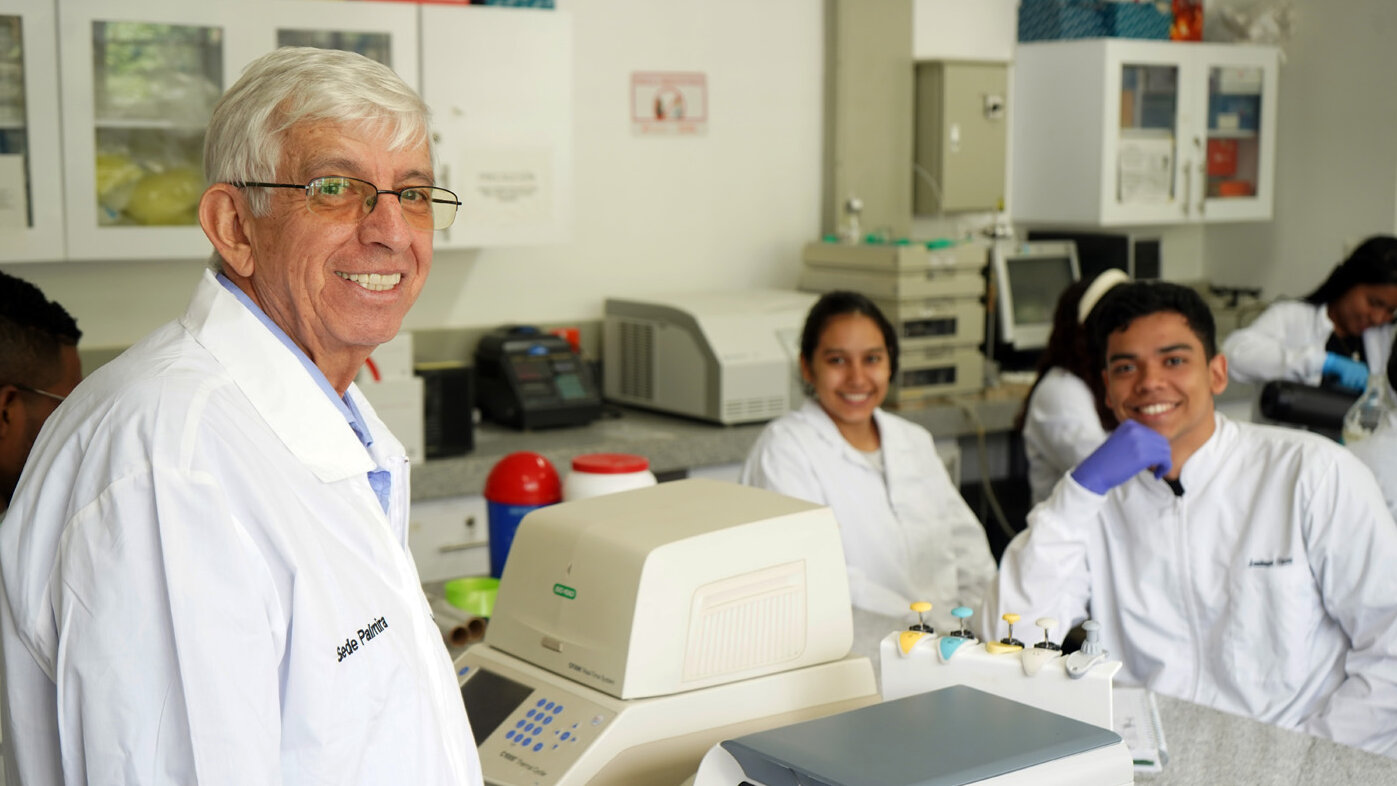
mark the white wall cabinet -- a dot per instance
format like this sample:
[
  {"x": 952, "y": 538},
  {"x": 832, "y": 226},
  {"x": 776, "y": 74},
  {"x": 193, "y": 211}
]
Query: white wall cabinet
[
  {"x": 138, "y": 82},
  {"x": 499, "y": 81},
  {"x": 1110, "y": 132},
  {"x": 31, "y": 168},
  {"x": 449, "y": 537},
  {"x": 120, "y": 176}
]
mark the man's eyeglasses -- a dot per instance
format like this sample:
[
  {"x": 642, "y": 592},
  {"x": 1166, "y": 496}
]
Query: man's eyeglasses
[
  {"x": 348, "y": 200},
  {"x": 43, "y": 393}
]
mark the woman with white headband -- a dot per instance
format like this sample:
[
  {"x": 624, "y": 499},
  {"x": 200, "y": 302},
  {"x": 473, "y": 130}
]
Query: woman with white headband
[{"x": 1064, "y": 417}]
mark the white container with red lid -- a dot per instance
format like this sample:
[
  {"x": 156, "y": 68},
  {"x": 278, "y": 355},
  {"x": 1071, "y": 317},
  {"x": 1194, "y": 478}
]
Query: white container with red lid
[{"x": 594, "y": 474}]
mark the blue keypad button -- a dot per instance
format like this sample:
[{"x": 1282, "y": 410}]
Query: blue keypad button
[
  {"x": 530, "y": 713},
  {"x": 519, "y": 725},
  {"x": 564, "y": 735},
  {"x": 557, "y": 708},
  {"x": 550, "y": 705},
  {"x": 547, "y": 720},
  {"x": 526, "y": 741},
  {"x": 509, "y": 735},
  {"x": 538, "y": 747},
  {"x": 541, "y": 702}
]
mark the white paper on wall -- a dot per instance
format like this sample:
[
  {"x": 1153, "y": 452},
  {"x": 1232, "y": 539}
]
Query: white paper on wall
[
  {"x": 14, "y": 202},
  {"x": 1146, "y": 170}
]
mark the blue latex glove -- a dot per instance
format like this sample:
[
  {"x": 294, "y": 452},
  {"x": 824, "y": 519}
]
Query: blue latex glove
[
  {"x": 1130, "y": 448},
  {"x": 1349, "y": 372}
]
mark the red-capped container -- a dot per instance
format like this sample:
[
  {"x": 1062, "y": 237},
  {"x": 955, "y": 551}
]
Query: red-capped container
[
  {"x": 517, "y": 485},
  {"x": 594, "y": 474}
]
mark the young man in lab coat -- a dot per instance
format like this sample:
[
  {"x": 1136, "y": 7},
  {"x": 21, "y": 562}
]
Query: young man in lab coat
[
  {"x": 205, "y": 569},
  {"x": 39, "y": 367},
  {"x": 1244, "y": 567}
]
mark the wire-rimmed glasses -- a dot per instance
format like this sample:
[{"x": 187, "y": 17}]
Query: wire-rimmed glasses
[
  {"x": 44, "y": 393},
  {"x": 348, "y": 200}
]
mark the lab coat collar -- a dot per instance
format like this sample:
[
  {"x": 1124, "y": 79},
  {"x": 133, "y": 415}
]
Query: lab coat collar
[
  {"x": 1202, "y": 466},
  {"x": 276, "y": 384},
  {"x": 892, "y": 440}
]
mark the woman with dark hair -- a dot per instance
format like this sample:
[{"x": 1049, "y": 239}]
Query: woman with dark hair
[
  {"x": 908, "y": 535},
  {"x": 1335, "y": 335},
  {"x": 1065, "y": 416}
]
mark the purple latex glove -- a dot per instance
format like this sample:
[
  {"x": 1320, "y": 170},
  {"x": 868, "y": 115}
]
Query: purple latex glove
[{"x": 1130, "y": 448}]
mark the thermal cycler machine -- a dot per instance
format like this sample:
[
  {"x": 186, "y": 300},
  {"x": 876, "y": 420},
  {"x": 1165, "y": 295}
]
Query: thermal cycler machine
[
  {"x": 729, "y": 357},
  {"x": 635, "y": 630}
]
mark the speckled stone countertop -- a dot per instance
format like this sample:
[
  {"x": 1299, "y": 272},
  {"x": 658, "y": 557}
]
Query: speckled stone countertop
[
  {"x": 675, "y": 443},
  {"x": 1208, "y": 747}
]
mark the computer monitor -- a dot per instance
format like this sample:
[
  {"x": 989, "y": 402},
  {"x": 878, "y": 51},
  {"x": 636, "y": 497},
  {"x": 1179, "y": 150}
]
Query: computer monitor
[
  {"x": 1136, "y": 254},
  {"x": 1029, "y": 279}
]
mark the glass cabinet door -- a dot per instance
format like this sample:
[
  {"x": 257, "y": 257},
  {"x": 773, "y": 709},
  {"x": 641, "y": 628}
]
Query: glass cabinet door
[
  {"x": 1238, "y": 160},
  {"x": 1149, "y": 135},
  {"x": 154, "y": 87},
  {"x": 382, "y": 31},
  {"x": 139, "y": 83},
  {"x": 31, "y": 202},
  {"x": 16, "y": 203}
]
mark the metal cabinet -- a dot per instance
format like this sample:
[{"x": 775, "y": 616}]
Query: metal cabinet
[
  {"x": 31, "y": 167},
  {"x": 1125, "y": 132}
]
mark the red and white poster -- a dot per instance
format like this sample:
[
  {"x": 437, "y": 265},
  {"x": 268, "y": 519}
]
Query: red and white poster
[{"x": 673, "y": 103}]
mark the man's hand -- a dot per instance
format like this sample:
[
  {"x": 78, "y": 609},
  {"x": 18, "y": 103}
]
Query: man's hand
[{"x": 1130, "y": 448}]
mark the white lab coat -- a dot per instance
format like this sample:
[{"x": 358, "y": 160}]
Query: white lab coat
[
  {"x": 1379, "y": 452},
  {"x": 191, "y": 552},
  {"x": 907, "y": 537},
  {"x": 1266, "y": 590},
  {"x": 1060, "y": 429},
  {"x": 1287, "y": 342}
]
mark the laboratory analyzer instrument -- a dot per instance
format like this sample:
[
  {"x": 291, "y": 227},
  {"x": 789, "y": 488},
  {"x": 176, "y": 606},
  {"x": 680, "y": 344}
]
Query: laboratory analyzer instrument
[{"x": 634, "y": 630}]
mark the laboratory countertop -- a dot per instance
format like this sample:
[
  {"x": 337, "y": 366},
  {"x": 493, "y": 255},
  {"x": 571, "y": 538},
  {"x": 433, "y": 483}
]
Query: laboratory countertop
[
  {"x": 1206, "y": 746},
  {"x": 674, "y": 443},
  {"x": 1210, "y": 747}
]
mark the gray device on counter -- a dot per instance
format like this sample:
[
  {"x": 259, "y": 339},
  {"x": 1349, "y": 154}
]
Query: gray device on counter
[
  {"x": 528, "y": 379},
  {"x": 728, "y": 357}
]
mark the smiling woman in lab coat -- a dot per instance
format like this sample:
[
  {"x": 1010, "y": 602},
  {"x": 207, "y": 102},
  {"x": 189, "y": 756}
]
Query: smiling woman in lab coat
[
  {"x": 908, "y": 535},
  {"x": 1335, "y": 335}
]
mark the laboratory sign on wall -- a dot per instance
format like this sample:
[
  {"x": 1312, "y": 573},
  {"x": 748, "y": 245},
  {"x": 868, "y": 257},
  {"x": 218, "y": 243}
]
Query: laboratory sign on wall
[{"x": 669, "y": 103}]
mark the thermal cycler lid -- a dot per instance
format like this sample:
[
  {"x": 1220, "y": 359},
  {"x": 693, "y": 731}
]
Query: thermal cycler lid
[{"x": 947, "y": 737}]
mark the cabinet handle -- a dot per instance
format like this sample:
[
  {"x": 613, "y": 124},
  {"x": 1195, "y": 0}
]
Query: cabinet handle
[
  {"x": 450, "y": 548},
  {"x": 1203, "y": 178},
  {"x": 1188, "y": 188}
]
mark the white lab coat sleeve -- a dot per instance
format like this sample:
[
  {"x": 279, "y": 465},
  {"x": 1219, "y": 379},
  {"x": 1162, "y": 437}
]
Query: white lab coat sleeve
[
  {"x": 1281, "y": 344},
  {"x": 1063, "y": 412},
  {"x": 168, "y": 673},
  {"x": 1351, "y": 541},
  {"x": 779, "y": 462},
  {"x": 1379, "y": 453},
  {"x": 1045, "y": 570}
]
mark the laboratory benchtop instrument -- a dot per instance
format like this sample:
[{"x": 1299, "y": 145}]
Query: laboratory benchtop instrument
[
  {"x": 948, "y": 737},
  {"x": 956, "y": 711},
  {"x": 634, "y": 630}
]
